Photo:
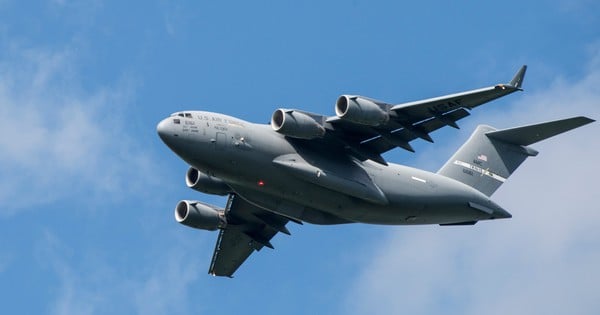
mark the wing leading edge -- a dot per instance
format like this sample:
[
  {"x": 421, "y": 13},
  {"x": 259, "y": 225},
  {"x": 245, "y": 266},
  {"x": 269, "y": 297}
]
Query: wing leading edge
[
  {"x": 412, "y": 120},
  {"x": 249, "y": 228}
]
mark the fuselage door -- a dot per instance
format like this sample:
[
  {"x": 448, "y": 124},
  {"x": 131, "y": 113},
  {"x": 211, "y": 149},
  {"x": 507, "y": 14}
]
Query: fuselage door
[{"x": 221, "y": 143}]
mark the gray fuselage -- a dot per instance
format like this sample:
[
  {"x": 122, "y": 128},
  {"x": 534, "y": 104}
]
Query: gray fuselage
[{"x": 316, "y": 180}]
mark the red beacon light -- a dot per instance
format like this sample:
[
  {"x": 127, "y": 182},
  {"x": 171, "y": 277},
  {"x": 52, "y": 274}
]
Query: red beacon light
[{"x": 260, "y": 183}]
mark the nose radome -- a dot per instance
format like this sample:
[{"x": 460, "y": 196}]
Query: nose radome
[{"x": 162, "y": 128}]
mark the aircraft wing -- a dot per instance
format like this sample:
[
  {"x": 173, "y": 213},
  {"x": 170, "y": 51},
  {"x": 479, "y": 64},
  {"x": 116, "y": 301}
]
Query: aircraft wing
[
  {"x": 409, "y": 121},
  {"x": 249, "y": 228}
]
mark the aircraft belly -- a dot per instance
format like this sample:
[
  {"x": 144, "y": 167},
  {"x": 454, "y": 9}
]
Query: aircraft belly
[
  {"x": 410, "y": 201},
  {"x": 315, "y": 204},
  {"x": 309, "y": 188},
  {"x": 421, "y": 197}
]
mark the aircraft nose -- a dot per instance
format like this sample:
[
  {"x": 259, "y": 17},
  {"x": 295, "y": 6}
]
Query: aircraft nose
[{"x": 163, "y": 128}]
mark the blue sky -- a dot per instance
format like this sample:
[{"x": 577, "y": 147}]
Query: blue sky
[{"x": 87, "y": 189}]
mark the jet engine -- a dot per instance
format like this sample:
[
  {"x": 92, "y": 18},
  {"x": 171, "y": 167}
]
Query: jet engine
[
  {"x": 296, "y": 124},
  {"x": 361, "y": 110},
  {"x": 205, "y": 183},
  {"x": 200, "y": 215}
]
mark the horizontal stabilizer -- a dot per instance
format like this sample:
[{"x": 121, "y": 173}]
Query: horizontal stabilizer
[
  {"x": 490, "y": 156},
  {"x": 534, "y": 133}
]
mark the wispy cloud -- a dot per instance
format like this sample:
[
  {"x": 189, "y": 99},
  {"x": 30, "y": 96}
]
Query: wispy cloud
[
  {"x": 72, "y": 298},
  {"x": 165, "y": 288},
  {"x": 176, "y": 19},
  {"x": 59, "y": 139},
  {"x": 66, "y": 142},
  {"x": 93, "y": 284},
  {"x": 544, "y": 260}
]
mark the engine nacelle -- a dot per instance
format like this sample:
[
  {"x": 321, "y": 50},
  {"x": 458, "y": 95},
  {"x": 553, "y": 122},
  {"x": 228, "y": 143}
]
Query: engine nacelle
[
  {"x": 361, "y": 110},
  {"x": 200, "y": 215},
  {"x": 296, "y": 124},
  {"x": 205, "y": 183}
]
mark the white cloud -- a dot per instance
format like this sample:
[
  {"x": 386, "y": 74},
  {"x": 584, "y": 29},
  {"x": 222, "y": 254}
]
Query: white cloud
[
  {"x": 72, "y": 299},
  {"x": 165, "y": 290},
  {"x": 176, "y": 18},
  {"x": 58, "y": 139},
  {"x": 66, "y": 143},
  {"x": 89, "y": 283},
  {"x": 543, "y": 261}
]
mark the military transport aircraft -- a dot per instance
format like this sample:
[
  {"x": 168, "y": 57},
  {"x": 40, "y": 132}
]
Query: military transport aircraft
[{"x": 306, "y": 167}]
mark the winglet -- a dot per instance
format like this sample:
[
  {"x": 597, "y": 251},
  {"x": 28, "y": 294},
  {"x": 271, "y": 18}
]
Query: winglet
[{"x": 517, "y": 80}]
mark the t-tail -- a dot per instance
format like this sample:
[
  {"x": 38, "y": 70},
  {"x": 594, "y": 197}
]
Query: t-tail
[{"x": 490, "y": 156}]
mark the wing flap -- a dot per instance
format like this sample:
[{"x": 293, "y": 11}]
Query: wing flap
[
  {"x": 250, "y": 228},
  {"x": 412, "y": 120},
  {"x": 384, "y": 143}
]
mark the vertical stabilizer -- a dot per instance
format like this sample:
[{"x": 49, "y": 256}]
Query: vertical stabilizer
[{"x": 490, "y": 156}]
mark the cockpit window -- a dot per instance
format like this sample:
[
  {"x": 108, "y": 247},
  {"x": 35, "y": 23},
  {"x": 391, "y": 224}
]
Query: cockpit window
[
  {"x": 182, "y": 114},
  {"x": 176, "y": 121}
]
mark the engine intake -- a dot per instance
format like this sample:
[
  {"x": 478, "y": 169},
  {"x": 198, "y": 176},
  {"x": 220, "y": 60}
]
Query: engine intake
[
  {"x": 200, "y": 215},
  {"x": 205, "y": 183},
  {"x": 361, "y": 110},
  {"x": 296, "y": 124}
]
